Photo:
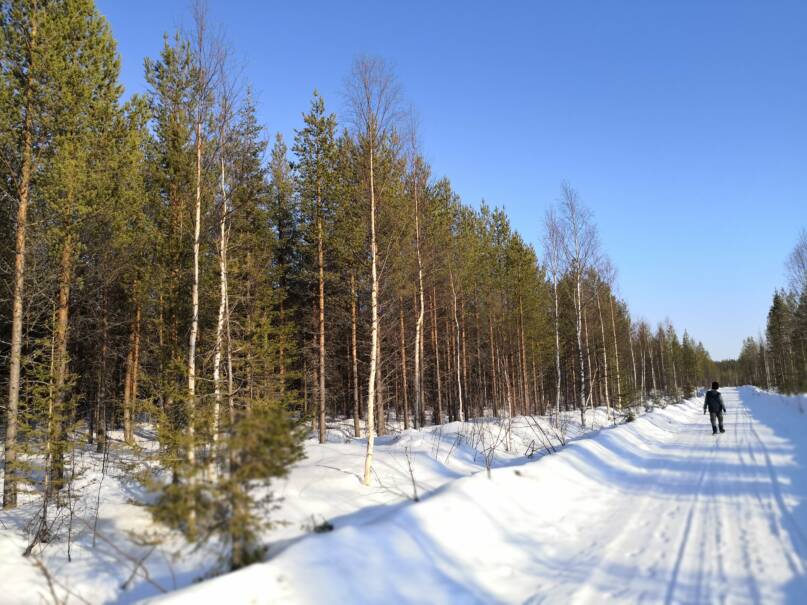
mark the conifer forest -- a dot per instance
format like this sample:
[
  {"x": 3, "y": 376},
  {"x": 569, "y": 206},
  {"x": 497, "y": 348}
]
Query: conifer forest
[{"x": 194, "y": 308}]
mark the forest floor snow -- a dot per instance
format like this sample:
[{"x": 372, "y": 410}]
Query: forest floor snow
[
  {"x": 657, "y": 511},
  {"x": 106, "y": 548}
]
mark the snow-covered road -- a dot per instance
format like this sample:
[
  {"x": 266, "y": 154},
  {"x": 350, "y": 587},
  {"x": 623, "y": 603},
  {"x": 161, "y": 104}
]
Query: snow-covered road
[
  {"x": 656, "y": 511},
  {"x": 707, "y": 522}
]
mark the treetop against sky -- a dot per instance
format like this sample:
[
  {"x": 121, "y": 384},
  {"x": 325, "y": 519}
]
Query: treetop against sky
[{"x": 680, "y": 124}]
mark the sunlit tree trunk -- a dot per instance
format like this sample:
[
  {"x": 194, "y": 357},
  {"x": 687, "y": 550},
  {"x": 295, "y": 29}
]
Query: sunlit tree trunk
[
  {"x": 15, "y": 353},
  {"x": 606, "y": 375},
  {"x": 524, "y": 378},
  {"x": 418, "y": 412},
  {"x": 435, "y": 345},
  {"x": 221, "y": 329},
  {"x": 354, "y": 356},
  {"x": 403, "y": 368},
  {"x": 460, "y": 412},
  {"x": 371, "y": 383},
  {"x": 197, "y": 223},
  {"x": 616, "y": 355},
  {"x": 59, "y": 416}
]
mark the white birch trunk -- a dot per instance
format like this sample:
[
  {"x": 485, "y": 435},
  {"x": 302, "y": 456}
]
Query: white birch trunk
[
  {"x": 191, "y": 453},
  {"x": 421, "y": 313},
  {"x": 579, "y": 333},
  {"x": 368, "y": 459},
  {"x": 557, "y": 345},
  {"x": 606, "y": 375},
  {"x": 616, "y": 355},
  {"x": 220, "y": 329}
]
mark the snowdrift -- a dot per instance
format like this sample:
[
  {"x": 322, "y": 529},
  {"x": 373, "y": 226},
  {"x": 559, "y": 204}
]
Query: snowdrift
[{"x": 478, "y": 539}]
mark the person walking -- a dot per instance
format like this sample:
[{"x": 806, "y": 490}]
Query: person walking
[{"x": 714, "y": 403}]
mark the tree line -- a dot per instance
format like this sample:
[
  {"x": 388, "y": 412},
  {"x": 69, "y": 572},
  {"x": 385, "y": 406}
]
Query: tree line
[
  {"x": 171, "y": 272},
  {"x": 777, "y": 359}
]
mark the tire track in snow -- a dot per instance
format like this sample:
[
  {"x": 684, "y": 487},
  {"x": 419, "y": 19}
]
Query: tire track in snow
[
  {"x": 684, "y": 540},
  {"x": 638, "y": 526}
]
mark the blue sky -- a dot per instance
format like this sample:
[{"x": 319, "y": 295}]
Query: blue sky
[{"x": 683, "y": 125}]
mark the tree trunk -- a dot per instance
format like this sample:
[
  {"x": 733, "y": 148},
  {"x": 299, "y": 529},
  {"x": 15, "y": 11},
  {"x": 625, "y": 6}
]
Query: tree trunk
[
  {"x": 321, "y": 263},
  {"x": 130, "y": 380},
  {"x": 59, "y": 417},
  {"x": 524, "y": 378},
  {"x": 480, "y": 372},
  {"x": 464, "y": 348},
  {"x": 616, "y": 356},
  {"x": 633, "y": 361},
  {"x": 435, "y": 345},
  {"x": 538, "y": 407},
  {"x": 578, "y": 301},
  {"x": 15, "y": 354},
  {"x": 606, "y": 376},
  {"x": 557, "y": 346},
  {"x": 675, "y": 375},
  {"x": 494, "y": 384},
  {"x": 460, "y": 412},
  {"x": 448, "y": 333},
  {"x": 305, "y": 389},
  {"x": 380, "y": 392},
  {"x": 644, "y": 367},
  {"x": 222, "y": 317},
  {"x": 97, "y": 415},
  {"x": 588, "y": 361},
  {"x": 229, "y": 343},
  {"x": 355, "y": 357},
  {"x": 282, "y": 349},
  {"x": 197, "y": 222},
  {"x": 368, "y": 459},
  {"x": 403, "y": 368},
  {"x": 662, "y": 365},
  {"x": 418, "y": 412}
]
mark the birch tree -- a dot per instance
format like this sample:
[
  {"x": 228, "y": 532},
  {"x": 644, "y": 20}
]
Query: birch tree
[
  {"x": 581, "y": 251},
  {"x": 373, "y": 97},
  {"x": 207, "y": 61},
  {"x": 553, "y": 255},
  {"x": 418, "y": 178},
  {"x": 226, "y": 99}
]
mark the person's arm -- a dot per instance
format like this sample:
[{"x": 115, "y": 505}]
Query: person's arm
[
  {"x": 705, "y": 401},
  {"x": 722, "y": 405}
]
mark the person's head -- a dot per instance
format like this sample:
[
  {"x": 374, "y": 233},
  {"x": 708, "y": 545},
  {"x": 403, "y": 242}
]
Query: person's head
[{"x": 715, "y": 386}]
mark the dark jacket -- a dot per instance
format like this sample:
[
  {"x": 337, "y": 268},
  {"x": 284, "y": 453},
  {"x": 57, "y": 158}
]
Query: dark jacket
[{"x": 713, "y": 402}]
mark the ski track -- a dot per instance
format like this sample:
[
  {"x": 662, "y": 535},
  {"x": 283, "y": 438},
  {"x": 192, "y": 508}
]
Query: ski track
[
  {"x": 725, "y": 536},
  {"x": 657, "y": 511}
]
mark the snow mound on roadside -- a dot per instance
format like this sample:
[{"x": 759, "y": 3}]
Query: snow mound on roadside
[{"x": 472, "y": 541}]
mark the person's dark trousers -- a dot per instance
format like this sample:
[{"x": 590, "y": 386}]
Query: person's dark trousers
[{"x": 717, "y": 421}]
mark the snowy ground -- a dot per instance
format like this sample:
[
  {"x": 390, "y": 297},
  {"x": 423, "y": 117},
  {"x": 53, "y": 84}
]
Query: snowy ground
[
  {"x": 655, "y": 511},
  {"x": 132, "y": 558}
]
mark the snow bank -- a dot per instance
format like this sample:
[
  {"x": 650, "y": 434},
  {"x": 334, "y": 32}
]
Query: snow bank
[
  {"x": 477, "y": 539},
  {"x": 656, "y": 510},
  {"x": 132, "y": 558}
]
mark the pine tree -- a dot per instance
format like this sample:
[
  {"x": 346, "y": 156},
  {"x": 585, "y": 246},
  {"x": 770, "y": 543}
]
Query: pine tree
[
  {"x": 25, "y": 63},
  {"x": 59, "y": 103},
  {"x": 284, "y": 217},
  {"x": 315, "y": 149}
]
